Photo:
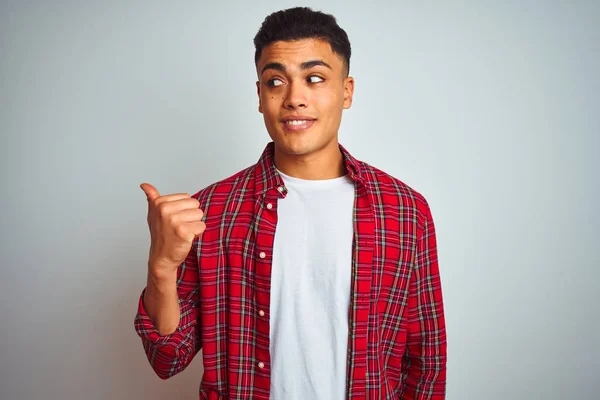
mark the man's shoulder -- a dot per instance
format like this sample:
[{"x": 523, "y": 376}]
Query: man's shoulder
[
  {"x": 224, "y": 188},
  {"x": 383, "y": 185}
]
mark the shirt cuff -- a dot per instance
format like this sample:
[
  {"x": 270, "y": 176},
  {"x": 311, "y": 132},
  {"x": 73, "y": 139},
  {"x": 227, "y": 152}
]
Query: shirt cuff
[{"x": 146, "y": 330}]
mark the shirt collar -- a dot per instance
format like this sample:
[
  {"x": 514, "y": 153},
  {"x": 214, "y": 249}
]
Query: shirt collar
[{"x": 267, "y": 177}]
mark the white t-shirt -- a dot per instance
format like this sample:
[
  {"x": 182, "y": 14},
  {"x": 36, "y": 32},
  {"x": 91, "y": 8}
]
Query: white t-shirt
[{"x": 310, "y": 289}]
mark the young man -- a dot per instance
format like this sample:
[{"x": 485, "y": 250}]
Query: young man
[{"x": 309, "y": 275}]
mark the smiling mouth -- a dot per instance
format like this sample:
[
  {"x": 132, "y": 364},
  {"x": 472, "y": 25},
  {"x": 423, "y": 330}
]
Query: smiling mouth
[{"x": 298, "y": 125}]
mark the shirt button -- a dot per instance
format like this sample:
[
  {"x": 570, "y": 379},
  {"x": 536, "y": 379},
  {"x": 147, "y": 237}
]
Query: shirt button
[
  {"x": 262, "y": 254},
  {"x": 269, "y": 206},
  {"x": 261, "y": 313},
  {"x": 280, "y": 189},
  {"x": 261, "y": 364}
]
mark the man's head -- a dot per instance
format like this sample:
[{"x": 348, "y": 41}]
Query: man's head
[
  {"x": 303, "y": 23},
  {"x": 302, "y": 60}
]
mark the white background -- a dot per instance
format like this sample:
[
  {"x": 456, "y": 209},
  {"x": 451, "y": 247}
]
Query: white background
[{"x": 489, "y": 109}]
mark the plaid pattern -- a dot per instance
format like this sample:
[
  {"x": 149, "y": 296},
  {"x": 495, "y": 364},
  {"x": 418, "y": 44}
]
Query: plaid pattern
[{"x": 397, "y": 336}]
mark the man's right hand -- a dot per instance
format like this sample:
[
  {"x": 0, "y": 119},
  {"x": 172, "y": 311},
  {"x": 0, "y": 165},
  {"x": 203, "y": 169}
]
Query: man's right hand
[{"x": 174, "y": 220}]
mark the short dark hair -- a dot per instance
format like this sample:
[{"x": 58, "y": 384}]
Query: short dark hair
[{"x": 303, "y": 23}]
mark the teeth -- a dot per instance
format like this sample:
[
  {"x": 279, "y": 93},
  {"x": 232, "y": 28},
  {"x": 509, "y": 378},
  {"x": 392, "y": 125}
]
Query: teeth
[{"x": 295, "y": 122}]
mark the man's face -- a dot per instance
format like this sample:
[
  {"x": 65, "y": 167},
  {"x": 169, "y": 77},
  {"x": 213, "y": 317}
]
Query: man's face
[{"x": 302, "y": 90}]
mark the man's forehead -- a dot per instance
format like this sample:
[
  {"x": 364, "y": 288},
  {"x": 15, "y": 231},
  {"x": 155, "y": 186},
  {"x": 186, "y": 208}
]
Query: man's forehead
[
  {"x": 297, "y": 51},
  {"x": 307, "y": 43}
]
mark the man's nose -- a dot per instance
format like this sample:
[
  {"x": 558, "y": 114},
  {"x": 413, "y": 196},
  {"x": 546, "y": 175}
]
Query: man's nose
[{"x": 296, "y": 96}]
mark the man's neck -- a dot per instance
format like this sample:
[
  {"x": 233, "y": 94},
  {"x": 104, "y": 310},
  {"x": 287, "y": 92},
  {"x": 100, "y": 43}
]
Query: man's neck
[{"x": 327, "y": 163}]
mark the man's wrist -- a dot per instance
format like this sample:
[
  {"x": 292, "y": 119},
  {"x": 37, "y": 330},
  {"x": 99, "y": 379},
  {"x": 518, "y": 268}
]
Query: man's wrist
[
  {"x": 162, "y": 272},
  {"x": 161, "y": 280}
]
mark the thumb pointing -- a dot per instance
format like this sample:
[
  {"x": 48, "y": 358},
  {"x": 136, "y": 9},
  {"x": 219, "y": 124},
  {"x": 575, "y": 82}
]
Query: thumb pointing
[{"x": 151, "y": 192}]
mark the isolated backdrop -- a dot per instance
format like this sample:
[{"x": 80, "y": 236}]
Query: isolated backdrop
[{"x": 489, "y": 109}]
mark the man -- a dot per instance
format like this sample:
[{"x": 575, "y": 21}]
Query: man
[{"x": 309, "y": 275}]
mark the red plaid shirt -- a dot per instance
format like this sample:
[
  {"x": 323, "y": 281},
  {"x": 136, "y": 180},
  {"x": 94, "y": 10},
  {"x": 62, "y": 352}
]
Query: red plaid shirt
[{"x": 397, "y": 336}]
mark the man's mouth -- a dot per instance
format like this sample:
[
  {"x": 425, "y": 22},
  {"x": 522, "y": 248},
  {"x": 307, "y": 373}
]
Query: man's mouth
[{"x": 298, "y": 124}]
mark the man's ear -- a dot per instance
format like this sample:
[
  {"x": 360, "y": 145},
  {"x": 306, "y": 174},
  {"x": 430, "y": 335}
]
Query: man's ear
[
  {"x": 348, "y": 91},
  {"x": 258, "y": 92}
]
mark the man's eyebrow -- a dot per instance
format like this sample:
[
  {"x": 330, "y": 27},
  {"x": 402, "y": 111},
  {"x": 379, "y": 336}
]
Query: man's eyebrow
[
  {"x": 274, "y": 65},
  {"x": 314, "y": 63},
  {"x": 305, "y": 65}
]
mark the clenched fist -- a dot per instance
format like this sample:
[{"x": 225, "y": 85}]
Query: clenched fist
[{"x": 175, "y": 220}]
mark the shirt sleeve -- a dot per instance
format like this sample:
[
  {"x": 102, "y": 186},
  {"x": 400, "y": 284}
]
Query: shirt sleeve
[
  {"x": 424, "y": 362},
  {"x": 171, "y": 354}
]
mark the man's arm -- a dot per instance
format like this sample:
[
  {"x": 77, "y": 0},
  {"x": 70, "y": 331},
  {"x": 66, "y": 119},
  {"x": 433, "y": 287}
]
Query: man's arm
[
  {"x": 168, "y": 309},
  {"x": 424, "y": 363},
  {"x": 175, "y": 310}
]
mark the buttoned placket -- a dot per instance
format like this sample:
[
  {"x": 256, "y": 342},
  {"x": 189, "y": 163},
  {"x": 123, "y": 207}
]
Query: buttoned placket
[{"x": 266, "y": 211}]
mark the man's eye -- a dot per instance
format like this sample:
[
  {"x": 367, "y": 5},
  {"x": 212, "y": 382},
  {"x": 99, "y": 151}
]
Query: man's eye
[
  {"x": 274, "y": 82},
  {"x": 315, "y": 79}
]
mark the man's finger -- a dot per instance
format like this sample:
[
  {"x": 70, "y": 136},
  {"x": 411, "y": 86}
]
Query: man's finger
[{"x": 151, "y": 192}]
